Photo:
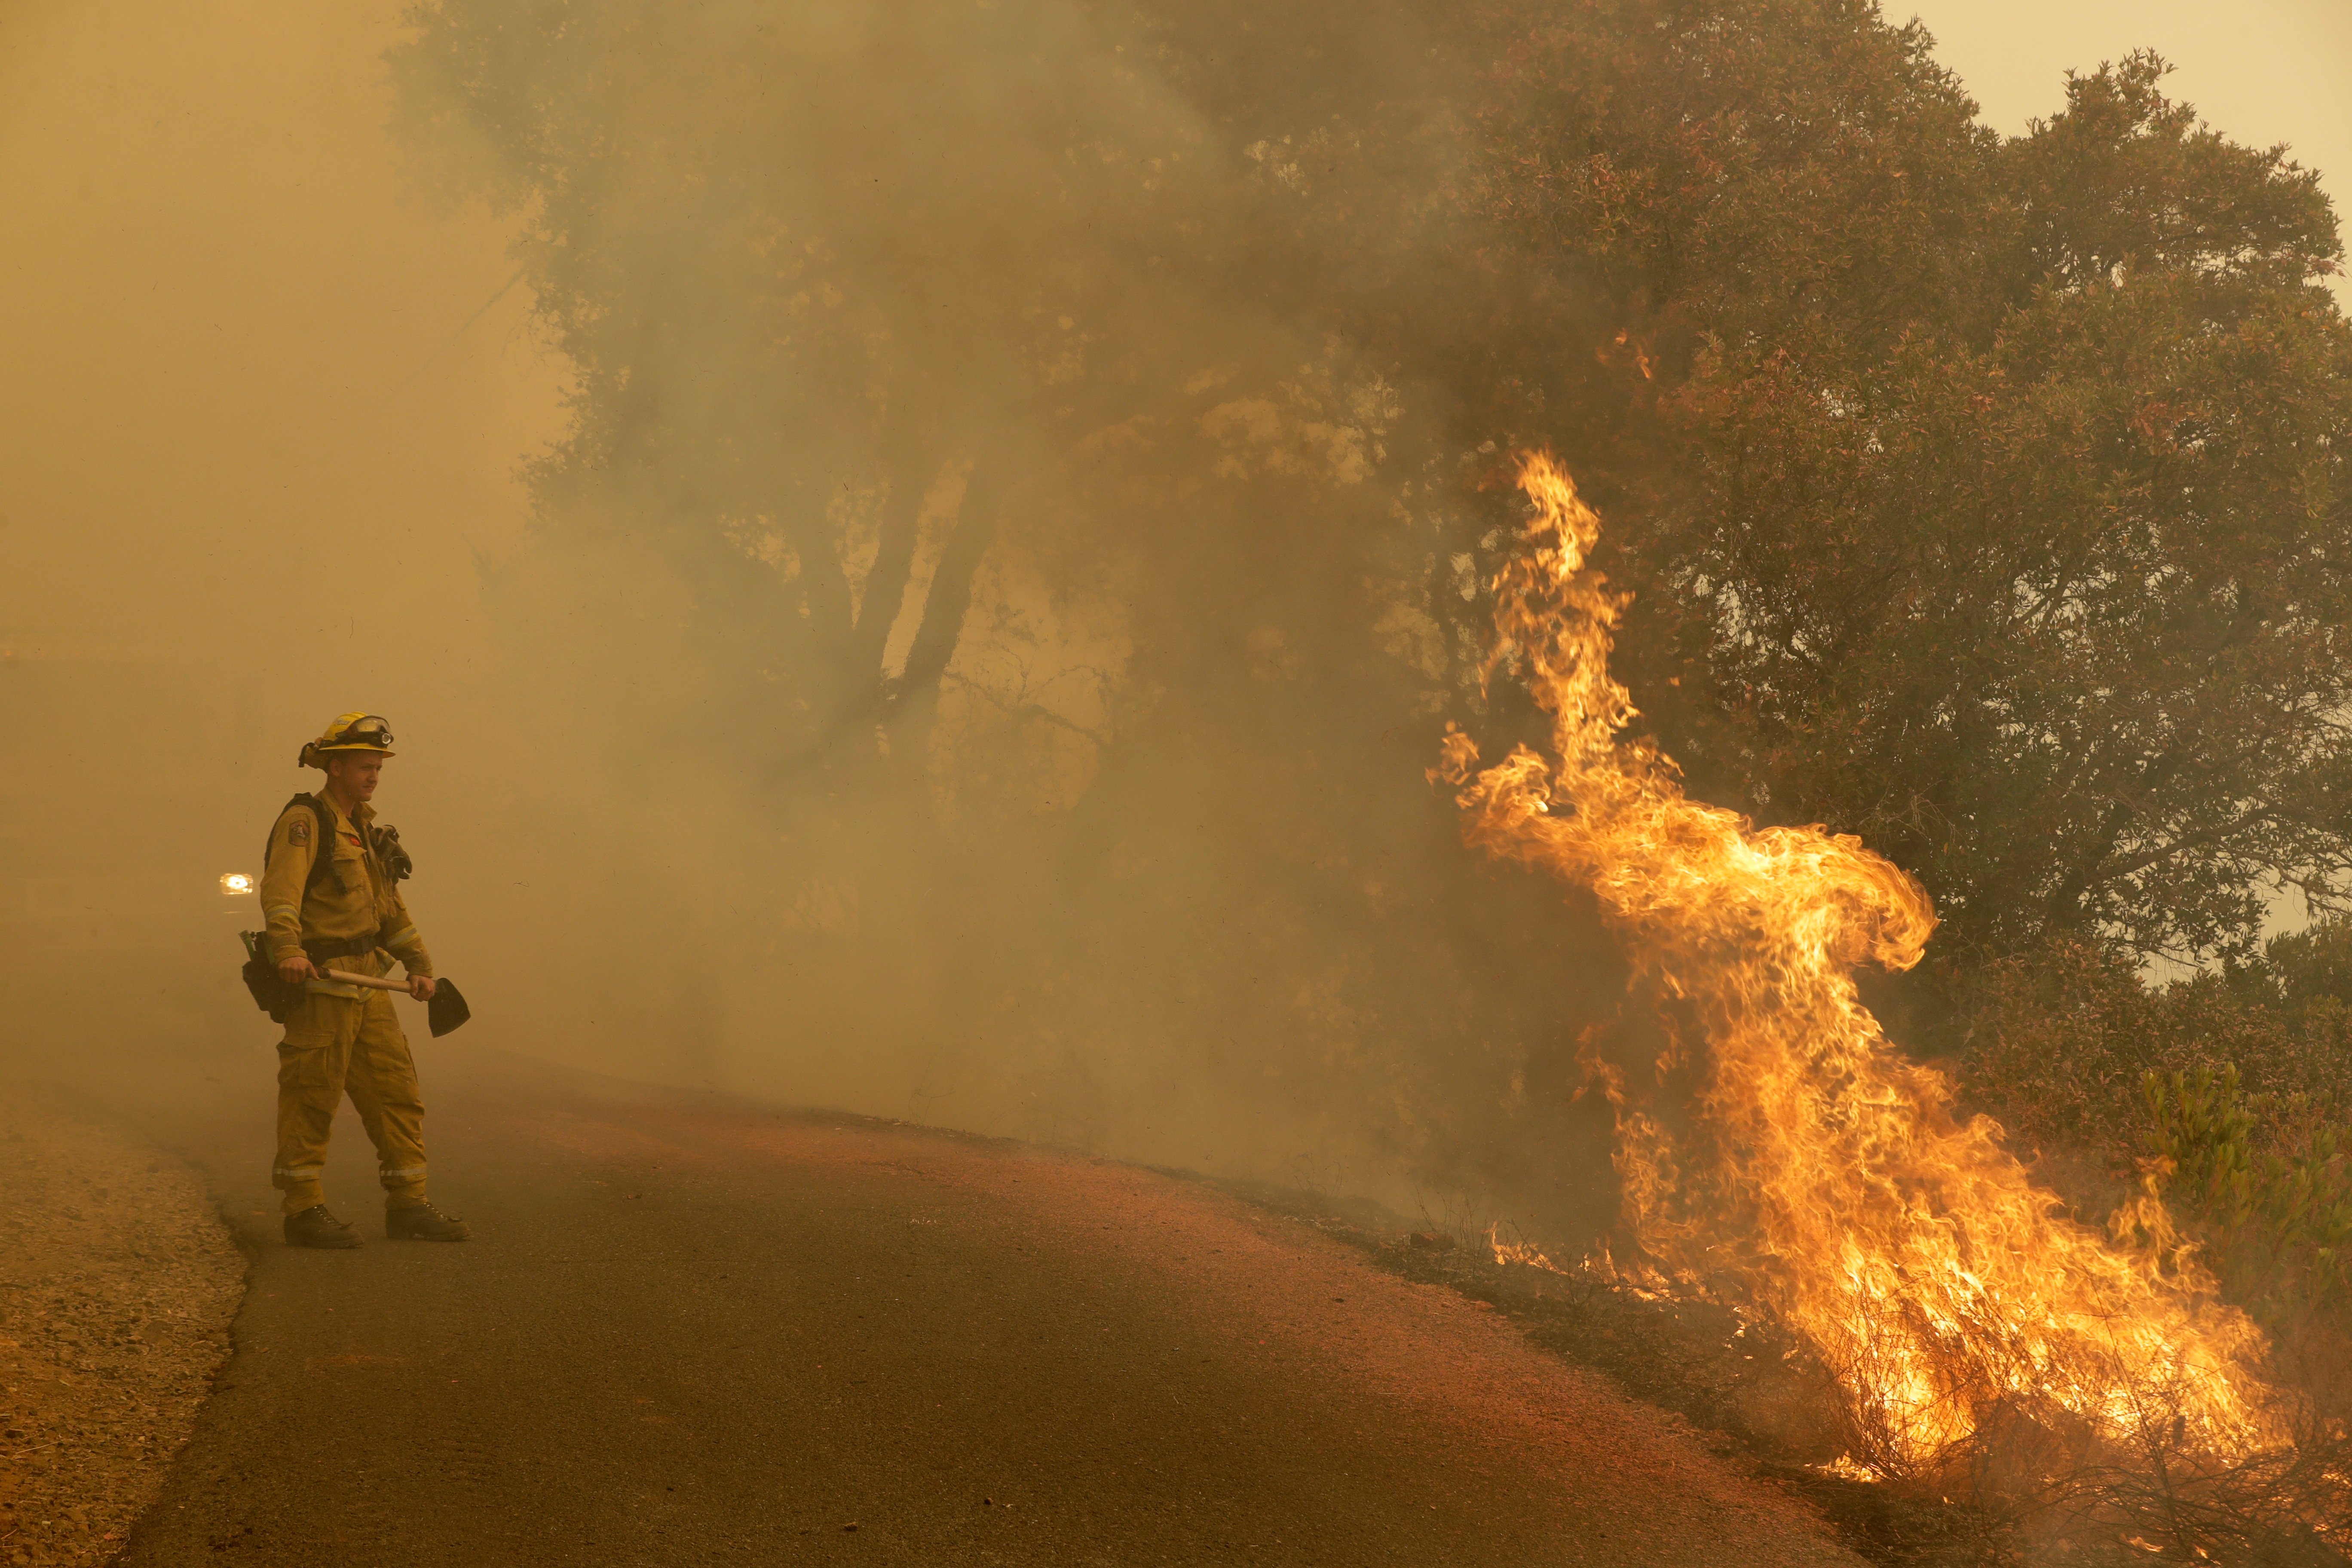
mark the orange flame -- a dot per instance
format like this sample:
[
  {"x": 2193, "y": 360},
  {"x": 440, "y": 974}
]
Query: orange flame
[
  {"x": 1518, "y": 1252},
  {"x": 1823, "y": 1173}
]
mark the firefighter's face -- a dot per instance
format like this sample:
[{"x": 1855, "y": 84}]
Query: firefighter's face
[{"x": 356, "y": 773}]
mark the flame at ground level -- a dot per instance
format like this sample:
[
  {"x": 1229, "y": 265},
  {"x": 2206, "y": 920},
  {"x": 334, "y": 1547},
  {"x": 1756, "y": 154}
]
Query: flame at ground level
[{"x": 1819, "y": 1170}]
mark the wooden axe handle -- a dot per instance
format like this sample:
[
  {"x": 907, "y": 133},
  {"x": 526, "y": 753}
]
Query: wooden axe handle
[{"x": 372, "y": 981}]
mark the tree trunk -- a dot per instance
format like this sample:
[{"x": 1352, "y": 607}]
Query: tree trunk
[
  {"x": 915, "y": 693},
  {"x": 894, "y": 563}
]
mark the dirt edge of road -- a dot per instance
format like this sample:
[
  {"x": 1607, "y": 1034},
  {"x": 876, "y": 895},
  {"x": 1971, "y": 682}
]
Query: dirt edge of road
[
  {"x": 1751, "y": 1396},
  {"x": 118, "y": 1282}
]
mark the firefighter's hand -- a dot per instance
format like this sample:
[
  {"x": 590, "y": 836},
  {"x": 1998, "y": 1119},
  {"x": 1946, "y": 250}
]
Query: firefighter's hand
[
  {"x": 296, "y": 969},
  {"x": 422, "y": 988}
]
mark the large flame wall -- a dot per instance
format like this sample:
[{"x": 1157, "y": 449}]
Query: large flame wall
[{"x": 1821, "y": 1173}]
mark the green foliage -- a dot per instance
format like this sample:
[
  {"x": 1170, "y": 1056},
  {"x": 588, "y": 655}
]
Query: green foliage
[
  {"x": 2003, "y": 517},
  {"x": 2311, "y": 973},
  {"x": 2230, "y": 1088},
  {"x": 2055, "y": 625},
  {"x": 2267, "y": 1180},
  {"x": 2126, "y": 181},
  {"x": 1768, "y": 174}
]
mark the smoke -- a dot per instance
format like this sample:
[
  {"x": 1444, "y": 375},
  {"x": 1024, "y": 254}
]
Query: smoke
[
  {"x": 249, "y": 458},
  {"x": 918, "y": 600},
  {"x": 997, "y": 602}
]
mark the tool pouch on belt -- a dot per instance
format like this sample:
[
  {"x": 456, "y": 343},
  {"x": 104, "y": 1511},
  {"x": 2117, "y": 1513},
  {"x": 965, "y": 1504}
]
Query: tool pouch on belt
[{"x": 270, "y": 993}]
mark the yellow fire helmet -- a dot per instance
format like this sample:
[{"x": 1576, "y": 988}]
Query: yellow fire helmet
[{"x": 348, "y": 732}]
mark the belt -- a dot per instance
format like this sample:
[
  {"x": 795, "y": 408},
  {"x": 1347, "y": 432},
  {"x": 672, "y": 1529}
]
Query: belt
[{"x": 350, "y": 947}]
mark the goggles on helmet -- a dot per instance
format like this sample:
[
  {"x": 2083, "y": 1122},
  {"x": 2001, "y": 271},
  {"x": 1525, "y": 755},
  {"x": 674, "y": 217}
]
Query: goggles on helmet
[{"x": 368, "y": 731}]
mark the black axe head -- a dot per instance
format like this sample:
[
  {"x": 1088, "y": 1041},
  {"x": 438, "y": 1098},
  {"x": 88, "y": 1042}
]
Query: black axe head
[{"x": 446, "y": 1010}]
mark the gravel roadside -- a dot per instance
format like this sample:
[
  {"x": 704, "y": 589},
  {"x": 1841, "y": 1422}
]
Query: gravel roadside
[{"x": 117, "y": 1283}]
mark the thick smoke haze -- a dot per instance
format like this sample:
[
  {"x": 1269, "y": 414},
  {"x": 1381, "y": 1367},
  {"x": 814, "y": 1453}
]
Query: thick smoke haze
[
  {"x": 972, "y": 581},
  {"x": 275, "y": 379},
  {"x": 917, "y": 553},
  {"x": 258, "y": 441},
  {"x": 942, "y": 560}
]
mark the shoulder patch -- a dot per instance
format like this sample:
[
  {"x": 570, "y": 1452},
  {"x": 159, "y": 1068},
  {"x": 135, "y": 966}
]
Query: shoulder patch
[{"x": 298, "y": 832}]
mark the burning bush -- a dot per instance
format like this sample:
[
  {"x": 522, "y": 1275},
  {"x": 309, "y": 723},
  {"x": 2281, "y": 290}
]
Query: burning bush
[{"x": 1778, "y": 1146}]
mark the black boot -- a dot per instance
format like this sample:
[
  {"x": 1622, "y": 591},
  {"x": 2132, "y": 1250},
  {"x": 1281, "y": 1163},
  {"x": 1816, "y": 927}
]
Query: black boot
[
  {"x": 314, "y": 1226},
  {"x": 422, "y": 1222}
]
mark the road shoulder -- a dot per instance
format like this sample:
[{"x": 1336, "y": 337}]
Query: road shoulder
[{"x": 118, "y": 1281}]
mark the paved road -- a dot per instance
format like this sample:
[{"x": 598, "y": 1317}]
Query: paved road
[{"x": 692, "y": 1334}]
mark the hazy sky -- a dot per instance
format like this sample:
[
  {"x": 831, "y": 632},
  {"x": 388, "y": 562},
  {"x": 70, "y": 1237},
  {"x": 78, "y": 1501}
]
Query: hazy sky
[
  {"x": 2261, "y": 71},
  {"x": 240, "y": 416}
]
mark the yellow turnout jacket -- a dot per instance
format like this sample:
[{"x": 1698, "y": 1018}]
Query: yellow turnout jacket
[{"x": 356, "y": 897}]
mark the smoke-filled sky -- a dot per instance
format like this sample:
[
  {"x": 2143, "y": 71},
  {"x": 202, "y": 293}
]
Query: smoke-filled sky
[
  {"x": 240, "y": 417},
  {"x": 253, "y": 441}
]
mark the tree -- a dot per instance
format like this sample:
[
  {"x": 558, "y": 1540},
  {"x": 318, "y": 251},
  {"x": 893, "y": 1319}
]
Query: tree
[
  {"x": 2009, "y": 524},
  {"x": 815, "y": 272}
]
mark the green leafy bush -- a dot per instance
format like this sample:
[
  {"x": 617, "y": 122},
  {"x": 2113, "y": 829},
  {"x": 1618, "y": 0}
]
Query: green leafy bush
[{"x": 2265, "y": 1178}]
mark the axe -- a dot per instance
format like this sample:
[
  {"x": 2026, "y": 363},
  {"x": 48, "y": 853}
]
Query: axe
[{"x": 444, "y": 1013}]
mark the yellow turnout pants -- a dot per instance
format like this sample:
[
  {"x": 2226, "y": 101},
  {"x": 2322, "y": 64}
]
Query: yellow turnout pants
[{"x": 336, "y": 1046}]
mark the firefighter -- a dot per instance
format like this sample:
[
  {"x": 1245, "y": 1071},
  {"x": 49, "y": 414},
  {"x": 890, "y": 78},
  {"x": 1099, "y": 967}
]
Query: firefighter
[{"x": 330, "y": 896}]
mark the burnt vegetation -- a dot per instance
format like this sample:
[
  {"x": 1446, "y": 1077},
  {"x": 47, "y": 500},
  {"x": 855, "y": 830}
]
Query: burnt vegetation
[{"x": 1040, "y": 469}]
